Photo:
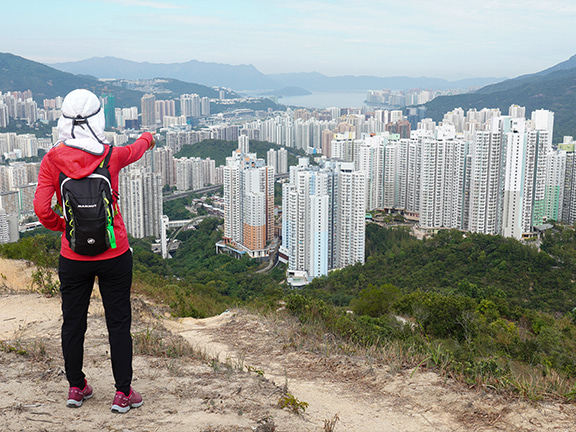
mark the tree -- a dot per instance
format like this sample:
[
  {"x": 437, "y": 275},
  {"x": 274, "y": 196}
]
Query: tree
[{"x": 375, "y": 301}]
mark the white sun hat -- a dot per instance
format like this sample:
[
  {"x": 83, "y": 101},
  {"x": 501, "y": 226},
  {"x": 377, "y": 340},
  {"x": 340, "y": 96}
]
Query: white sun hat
[{"x": 82, "y": 122}]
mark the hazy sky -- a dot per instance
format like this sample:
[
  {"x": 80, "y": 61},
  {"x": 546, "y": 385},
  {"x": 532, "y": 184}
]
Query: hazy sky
[{"x": 436, "y": 38}]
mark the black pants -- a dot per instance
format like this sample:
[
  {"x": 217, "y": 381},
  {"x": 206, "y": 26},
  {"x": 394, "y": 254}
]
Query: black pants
[{"x": 115, "y": 281}]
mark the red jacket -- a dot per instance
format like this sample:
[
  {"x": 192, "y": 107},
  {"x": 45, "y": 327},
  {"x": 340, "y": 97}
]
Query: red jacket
[{"x": 76, "y": 163}]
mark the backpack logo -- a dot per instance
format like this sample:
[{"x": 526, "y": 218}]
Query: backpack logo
[{"x": 88, "y": 207}]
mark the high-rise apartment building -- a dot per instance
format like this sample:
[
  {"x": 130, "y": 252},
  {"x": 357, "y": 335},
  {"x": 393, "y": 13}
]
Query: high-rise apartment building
[
  {"x": 568, "y": 214},
  {"x": 272, "y": 159},
  {"x": 323, "y": 219},
  {"x": 141, "y": 201},
  {"x": 164, "y": 108},
  {"x": 189, "y": 173},
  {"x": 554, "y": 184},
  {"x": 109, "y": 105},
  {"x": 209, "y": 168},
  {"x": 487, "y": 153},
  {"x": 4, "y": 227},
  {"x": 342, "y": 146},
  {"x": 351, "y": 217},
  {"x": 243, "y": 144},
  {"x": 164, "y": 163},
  {"x": 524, "y": 177},
  {"x": 369, "y": 158},
  {"x": 205, "y": 106},
  {"x": 190, "y": 105},
  {"x": 26, "y": 199},
  {"x": 4, "y": 117},
  {"x": 148, "y": 109},
  {"x": 442, "y": 179},
  {"x": 282, "y": 161},
  {"x": 401, "y": 174},
  {"x": 248, "y": 204},
  {"x": 9, "y": 201}
]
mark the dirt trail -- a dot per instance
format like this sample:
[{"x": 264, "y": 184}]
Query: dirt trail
[{"x": 200, "y": 394}]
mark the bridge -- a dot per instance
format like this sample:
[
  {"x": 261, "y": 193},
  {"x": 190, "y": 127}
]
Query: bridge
[{"x": 181, "y": 224}]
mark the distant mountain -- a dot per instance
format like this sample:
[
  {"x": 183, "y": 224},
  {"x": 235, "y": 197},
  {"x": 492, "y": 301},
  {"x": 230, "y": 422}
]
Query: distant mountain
[
  {"x": 248, "y": 78},
  {"x": 315, "y": 81},
  {"x": 20, "y": 74},
  {"x": 240, "y": 77},
  {"x": 553, "y": 89}
]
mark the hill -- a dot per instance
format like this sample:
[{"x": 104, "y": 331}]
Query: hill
[
  {"x": 483, "y": 311},
  {"x": 177, "y": 88},
  {"x": 219, "y": 150},
  {"x": 231, "y": 372},
  {"x": 20, "y": 74},
  {"x": 168, "y": 88},
  {"x": 228, "y": 373},
  {"x": 553, "y": 89}
]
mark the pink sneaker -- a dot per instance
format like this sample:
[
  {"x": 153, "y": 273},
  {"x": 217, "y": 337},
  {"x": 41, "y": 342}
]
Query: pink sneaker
[
  {"x": 76, "y": 396},
  {"x": 123, "y": 403}
]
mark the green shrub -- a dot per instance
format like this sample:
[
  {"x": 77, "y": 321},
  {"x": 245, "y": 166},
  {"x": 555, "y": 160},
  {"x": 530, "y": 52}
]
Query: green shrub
[
  {"x": 440, "y": 315},
  {"x": 375, "y": 301}
]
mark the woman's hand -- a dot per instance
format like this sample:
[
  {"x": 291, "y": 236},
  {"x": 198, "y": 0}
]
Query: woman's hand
[{"x": 152, "y": 143}]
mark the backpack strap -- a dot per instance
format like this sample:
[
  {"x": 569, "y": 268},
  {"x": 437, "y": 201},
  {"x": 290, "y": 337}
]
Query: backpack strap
[{"x": 106, "y": 162}]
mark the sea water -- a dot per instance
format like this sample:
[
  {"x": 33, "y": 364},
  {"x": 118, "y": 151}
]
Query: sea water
[{"x": 326, "y": 100}]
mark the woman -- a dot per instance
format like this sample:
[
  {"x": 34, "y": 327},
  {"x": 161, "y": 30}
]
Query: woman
[{"x": 81, "y": 148}]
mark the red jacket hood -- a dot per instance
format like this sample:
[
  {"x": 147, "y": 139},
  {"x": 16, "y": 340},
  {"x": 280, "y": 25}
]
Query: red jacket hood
[{"x": 74, "y": 162}]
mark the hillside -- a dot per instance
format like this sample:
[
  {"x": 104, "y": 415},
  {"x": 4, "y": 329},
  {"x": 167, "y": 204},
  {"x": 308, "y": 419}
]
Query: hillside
[
  {"x": 228, "y": 373},
  {"x": 20, "y": 74},
  {"x": 554, "y": 90},
  {"x": 219, "y": 150},
  {"x": 167, "y": 88},
  {"x": 177, "y": 88},
  {"x": 483, "y": 312}
]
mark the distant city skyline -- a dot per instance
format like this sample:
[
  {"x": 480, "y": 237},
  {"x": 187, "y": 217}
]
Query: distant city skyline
[{"x": 450, "y": 39}]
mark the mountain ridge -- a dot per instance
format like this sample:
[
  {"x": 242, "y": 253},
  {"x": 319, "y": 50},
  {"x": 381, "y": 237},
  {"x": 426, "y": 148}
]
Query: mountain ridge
[
  {"x": 248, "y": 78},
  {"x": 554, "y": 90},
  {"x": 236, "y": 77}
]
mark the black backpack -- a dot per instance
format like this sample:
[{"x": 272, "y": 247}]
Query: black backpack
[{"x": 87, "y": 204}]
